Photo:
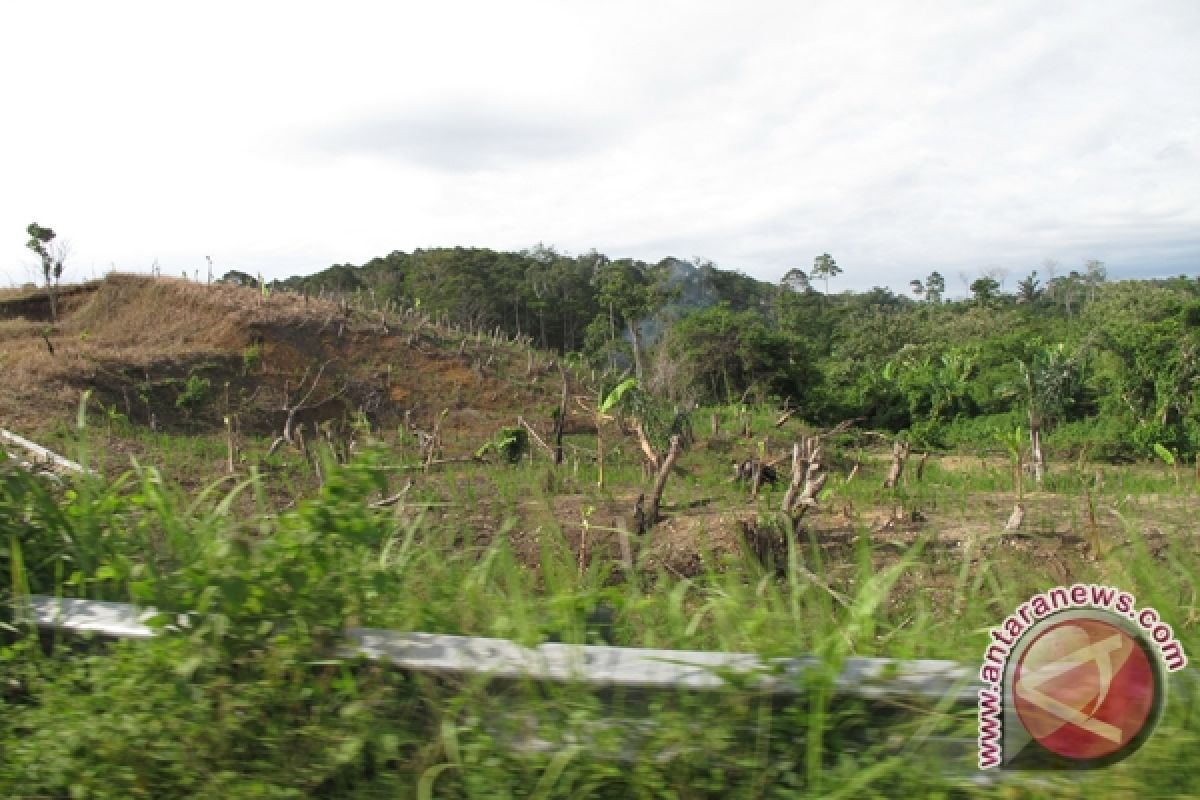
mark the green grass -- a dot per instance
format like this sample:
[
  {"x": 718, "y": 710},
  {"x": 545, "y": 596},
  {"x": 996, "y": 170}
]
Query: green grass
[{"x": 252, "y": 702}]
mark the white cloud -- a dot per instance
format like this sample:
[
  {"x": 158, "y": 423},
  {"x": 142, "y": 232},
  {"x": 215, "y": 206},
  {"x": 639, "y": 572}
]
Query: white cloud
[{"x": 900, "y": 137}]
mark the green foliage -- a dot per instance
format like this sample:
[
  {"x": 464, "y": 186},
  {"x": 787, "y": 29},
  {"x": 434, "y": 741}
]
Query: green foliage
[
  {"x": 510, "y": 443},
  {"x": 725, "y": 353},
  {"x": 41, "y": 241},
  {"x": 824, "y": 267},
  {"x": 252, "y": 697},
  {"x": 239, "y": 278},
  {"x": 251, "y": 358},
  {"x": 612, "y": 399},
  {"x": 195, "y": 395},
  {"x": 1166, "y": 455},
  {"x": 720, "y": 335},
  {"x": 984, "y": 289}
]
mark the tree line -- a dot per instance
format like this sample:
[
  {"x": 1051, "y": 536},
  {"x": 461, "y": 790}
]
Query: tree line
[{"x": 1081, "y": 362}]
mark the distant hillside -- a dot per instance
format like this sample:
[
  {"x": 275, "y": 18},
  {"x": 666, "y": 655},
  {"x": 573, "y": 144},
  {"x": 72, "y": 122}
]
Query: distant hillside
[{"x": 183, "y": 355}]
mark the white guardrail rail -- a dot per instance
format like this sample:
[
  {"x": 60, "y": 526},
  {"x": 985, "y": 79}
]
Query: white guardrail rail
[{"x": 904, "y": 686}]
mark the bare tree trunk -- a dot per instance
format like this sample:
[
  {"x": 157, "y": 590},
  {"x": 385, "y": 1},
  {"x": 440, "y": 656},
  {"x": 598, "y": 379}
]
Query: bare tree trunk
[
  {"x": 230, "y": 446},
  {"x": 562, "y": 416},
  {"x": 660, "y": 483},
  {"x": 599, "y": 454},
  {"x": 716, "y": 427},
  {"x": 921, "y": 466},
  {"x": 899, "y": 456},
  {"x": 1035, "y": 444},
  {"x": 635, "y": 335}
]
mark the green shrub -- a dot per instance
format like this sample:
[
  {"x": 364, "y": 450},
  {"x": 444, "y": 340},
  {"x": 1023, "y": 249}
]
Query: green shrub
[
  {"x": 1105, "y": 438},
  {"x": 251, "y": 358},
  {"x": 196, "y": 393},
  {"x": 510, "y": 443}
]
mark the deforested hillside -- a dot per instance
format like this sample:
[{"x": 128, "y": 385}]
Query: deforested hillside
[{"x": 168, "y": 355}]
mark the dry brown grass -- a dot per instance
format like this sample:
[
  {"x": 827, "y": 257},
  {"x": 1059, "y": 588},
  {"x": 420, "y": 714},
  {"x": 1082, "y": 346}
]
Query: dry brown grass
[
  {"x": 131, "y": 321},
  {"x": 129, "y": 331}
]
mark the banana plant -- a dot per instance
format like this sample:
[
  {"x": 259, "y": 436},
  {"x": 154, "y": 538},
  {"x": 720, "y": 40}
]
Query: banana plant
[
  {"x": 1013, "y": 442},
  {"x": 1168, "y": 458},
  {"x": 602, "y": 413}
]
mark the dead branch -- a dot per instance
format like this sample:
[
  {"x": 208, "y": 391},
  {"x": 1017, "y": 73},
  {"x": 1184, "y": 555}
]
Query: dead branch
[
  {"x": 394, "y": 499},
  {"x": 786, "y": 416},
  {"x": 537, "y": 439},
  {"x": 841, "y": 427},
  {"x": 303, "y": 404},
  {"x": 437, "y": 462},
  {"x": 651, "y": 457}
]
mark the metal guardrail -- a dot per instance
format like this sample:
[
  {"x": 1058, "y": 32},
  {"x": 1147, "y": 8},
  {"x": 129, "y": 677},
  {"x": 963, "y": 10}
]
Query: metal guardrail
[
  {"x": 600, "y": 666},
  {"x": 903, "y": 685}
]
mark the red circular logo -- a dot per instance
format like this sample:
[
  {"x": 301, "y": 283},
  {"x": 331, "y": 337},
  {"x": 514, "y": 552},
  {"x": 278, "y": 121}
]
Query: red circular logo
[{"x": 1084, "y": 688}]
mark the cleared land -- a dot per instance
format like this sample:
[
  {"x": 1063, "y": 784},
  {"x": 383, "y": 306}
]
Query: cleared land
[{"x": 198, "y": 382}]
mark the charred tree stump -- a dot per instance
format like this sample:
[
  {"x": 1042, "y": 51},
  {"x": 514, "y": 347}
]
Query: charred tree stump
[
  {"x": 921, "y": 466},
  {"x": 899, "y": 456},
  {"x": 639, "y": 515},
  {"x": 808, "y": 479},
  {"x": 1016, "y": 519}
]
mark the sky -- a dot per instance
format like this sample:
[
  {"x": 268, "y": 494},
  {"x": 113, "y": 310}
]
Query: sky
[{"x": 902, "y": 138}]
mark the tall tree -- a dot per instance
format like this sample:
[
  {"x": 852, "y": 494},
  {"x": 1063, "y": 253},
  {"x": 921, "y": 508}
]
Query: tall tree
[
  {"x": 631, "y": 290},
  {"x": 1029, "y": 288},
  {"x": 985, "y": 290},
  {"x": 796, "y": 280},
  {"x": 1050, "y": 380},
  {"x": 935, "y": 287},
  {"x": 52, "y": 254},
  {"x": 1097, "y": 273},
  {"x": 825, "y": 267}
]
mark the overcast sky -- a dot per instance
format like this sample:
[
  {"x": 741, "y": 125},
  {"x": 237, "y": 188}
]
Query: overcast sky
[{"x": 900, "y": 137}]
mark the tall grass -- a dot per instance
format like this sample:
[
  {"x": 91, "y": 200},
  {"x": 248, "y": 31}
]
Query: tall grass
[{"x": 251, "y": 699}]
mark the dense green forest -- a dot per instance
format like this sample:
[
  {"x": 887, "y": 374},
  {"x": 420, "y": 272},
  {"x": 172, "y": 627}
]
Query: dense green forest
[{"x": 1103, "y": 366}]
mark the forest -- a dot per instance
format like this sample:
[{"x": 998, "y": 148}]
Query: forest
[{"x": 1106, "y": 367}]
